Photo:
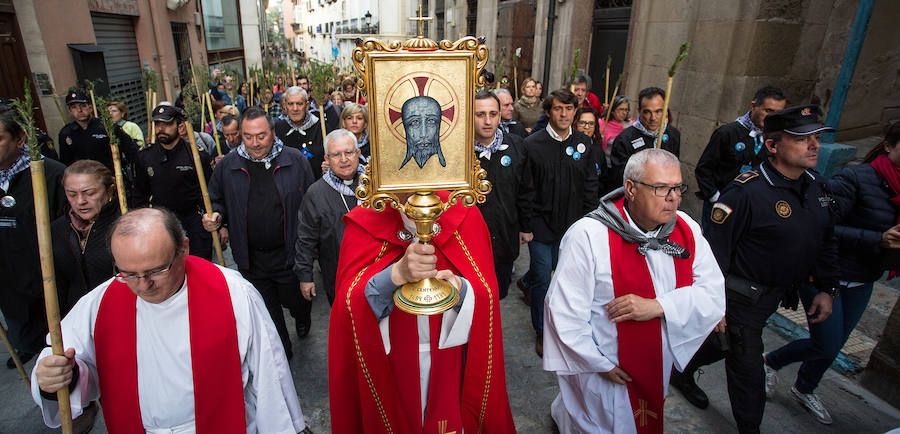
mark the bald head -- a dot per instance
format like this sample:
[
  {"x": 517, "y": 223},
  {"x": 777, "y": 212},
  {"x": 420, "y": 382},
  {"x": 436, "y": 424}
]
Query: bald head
[{"x": 149, "y": 248}]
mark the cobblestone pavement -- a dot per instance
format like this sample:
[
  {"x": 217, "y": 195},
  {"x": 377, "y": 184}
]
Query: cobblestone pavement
[{"x": 531, "y": 390}]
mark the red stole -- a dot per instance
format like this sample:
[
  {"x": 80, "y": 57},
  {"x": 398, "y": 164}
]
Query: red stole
[
  {"x": 215, "y": 358},
  {"x": 442, "y": 412},
  {"x": 643, "y": 362}
]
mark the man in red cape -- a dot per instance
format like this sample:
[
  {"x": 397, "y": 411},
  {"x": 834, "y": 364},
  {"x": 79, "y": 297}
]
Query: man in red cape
[{"x": 372, "y": 380}]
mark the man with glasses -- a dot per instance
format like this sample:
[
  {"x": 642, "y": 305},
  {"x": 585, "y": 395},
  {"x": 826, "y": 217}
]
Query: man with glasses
[
  {"x": 636, "y": 291},
  {"x": 166, "y": 177},
  {"x": 507, "y": 112},
  {"x": 644, "y": 132},
  {"x": 256, "y": 192},
  {"x": 173, "y": 343},
  {"x": 320, "y": 229},
  {"x": 785, "y": 204},
  {"x": 562, "y": 168}
]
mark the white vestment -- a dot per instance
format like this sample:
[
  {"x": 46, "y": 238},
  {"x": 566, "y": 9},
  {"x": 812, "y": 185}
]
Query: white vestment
[
  {"x": 580, "y": 341},
  {"x": 165, "y": 376}
]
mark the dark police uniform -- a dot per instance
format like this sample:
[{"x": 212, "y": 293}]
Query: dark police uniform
[
  {"x": 732, "y": 149},
  {"x": 508, "y": 209},
  {"x": 91, "y": 143},
  {"x": 769, "y": 234},
  {"x": 309, "y": 142},
  {"x": 168, "y": 178}
]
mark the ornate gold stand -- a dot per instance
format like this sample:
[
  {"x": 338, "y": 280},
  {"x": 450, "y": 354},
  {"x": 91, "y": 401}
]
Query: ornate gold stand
[{"x": 429, "y": 296}]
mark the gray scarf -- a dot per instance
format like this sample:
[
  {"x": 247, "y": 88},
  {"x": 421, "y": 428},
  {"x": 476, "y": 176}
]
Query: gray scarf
[
  {"x": 339, "y": 184},
  {"x": 277, "y": 147},
  {"x": 640, "y": 127},
  {"x": 608, "y": 214}
]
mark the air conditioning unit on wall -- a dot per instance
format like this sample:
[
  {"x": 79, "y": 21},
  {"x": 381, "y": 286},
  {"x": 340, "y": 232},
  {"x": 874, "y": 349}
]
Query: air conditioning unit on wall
[{"x": 175, "y": 4}]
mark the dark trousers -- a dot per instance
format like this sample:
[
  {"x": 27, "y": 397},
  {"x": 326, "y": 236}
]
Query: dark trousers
[
  {"x": 543, "y": 261},
  {"x": 743, "y": 361},
  {"x": 825, "y": 338},
  {"x": 200, "y": 241},
  {"x": 26, "y": 321},
  {"x": 504, "y": 276},
  {"x": 279, "y": 288}
]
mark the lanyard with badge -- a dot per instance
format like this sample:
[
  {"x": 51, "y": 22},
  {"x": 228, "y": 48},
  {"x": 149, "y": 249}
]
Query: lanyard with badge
[{"x": 8, "y": 222}]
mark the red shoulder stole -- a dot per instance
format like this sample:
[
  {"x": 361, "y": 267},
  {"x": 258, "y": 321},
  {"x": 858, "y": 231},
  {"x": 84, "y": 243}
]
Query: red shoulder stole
[
  {"x": 640, "y": 342},
  {"x": 215, "y": 358}
]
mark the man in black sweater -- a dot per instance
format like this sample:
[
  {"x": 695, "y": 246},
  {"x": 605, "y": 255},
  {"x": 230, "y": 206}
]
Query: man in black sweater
[
  {"x": 300, "y": 129},
  {"x": 566, "y": 188},
  {"x": 734, "y": 148},
  {"x": 644, "y": 133}
]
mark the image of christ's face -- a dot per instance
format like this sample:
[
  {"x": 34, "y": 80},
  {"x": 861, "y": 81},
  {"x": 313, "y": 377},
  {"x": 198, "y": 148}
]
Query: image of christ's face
[{"x": 422, "y": 123}]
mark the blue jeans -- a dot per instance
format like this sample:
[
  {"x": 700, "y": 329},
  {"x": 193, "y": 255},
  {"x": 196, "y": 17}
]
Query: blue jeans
[
  {"x": 825, "y": 338},
  {"x": 543, "y": 262}
]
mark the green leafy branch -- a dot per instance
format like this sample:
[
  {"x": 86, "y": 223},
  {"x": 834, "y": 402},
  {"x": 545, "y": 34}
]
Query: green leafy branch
[
  {"x": 682, "y": 54},
  {"x": 25, "y": 120}
]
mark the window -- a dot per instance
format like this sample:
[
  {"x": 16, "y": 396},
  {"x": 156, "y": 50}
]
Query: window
[{"x": 222, "y": 24}]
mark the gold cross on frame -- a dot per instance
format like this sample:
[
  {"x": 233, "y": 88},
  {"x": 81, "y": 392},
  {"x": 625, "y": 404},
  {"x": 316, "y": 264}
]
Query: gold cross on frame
[{"x": 421, "y": 21}]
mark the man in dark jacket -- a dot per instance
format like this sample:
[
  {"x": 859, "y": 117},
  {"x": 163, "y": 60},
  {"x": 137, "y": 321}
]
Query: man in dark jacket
[
  {"x": 320, "y": 229},
  {"x": 166, "y": 177},
  {"x": 256, "y": 191},
  {"x": 300, "y": 129},
  {"x": 734, "y": 148},
  {"x": 85, "y": 138},
  {"x": 643, "y": 133},
  {"x": 507, "y": 210},
  {"x": 21, "y": 297},
  {"x": 507, "y": 111},
  {"x": 566, "y": 188}
]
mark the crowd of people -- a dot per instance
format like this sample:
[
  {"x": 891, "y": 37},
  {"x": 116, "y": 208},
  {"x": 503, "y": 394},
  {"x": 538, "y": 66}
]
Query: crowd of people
[{"x": 622, "y": 286}]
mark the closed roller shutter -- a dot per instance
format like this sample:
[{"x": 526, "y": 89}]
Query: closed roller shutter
[{"x": 115, "y": 33}]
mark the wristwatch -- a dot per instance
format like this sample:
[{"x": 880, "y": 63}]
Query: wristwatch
[{"x": 834, "y": 291}]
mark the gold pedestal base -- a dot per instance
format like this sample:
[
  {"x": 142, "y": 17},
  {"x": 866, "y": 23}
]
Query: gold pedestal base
[{"x": 426, "y": 297}]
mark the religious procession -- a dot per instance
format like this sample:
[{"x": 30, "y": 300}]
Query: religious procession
[{"x": 491, "y": 216}]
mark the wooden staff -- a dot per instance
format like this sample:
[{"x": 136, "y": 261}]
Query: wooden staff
[
  {"x": 148, "y": 97},
  {"x": 606, "y": 88},
  {"x": 682, "y": 53},
  {"x": 516, "y": 71},
  {"x": 322, "y": 120},
  {"x": 117, "y": 167},
  {"x": 609, "y": 108},
  {"x": 152, "y": 125},
  {"x": 93, "y": 104},
  {"x": 199, "y": 94},
  {"x": 212, "y": 119},
  {"x": 251, "y": 102},
  {"x": 201, "y": 179},
  {"x": 15, "y": 357},
  {"x": 45, "y": 244}
]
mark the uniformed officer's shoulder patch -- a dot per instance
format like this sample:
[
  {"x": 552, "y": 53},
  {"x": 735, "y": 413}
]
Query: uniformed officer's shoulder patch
[
  {"x": 719, "y": 213},
  {"x": 746, "y": 176}
]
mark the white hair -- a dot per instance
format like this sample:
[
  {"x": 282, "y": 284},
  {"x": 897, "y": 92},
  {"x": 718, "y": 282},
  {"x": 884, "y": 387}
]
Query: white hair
[
  {"x": 296, "y": 90},
  {"x": 500, "y": 90},
  {"x": 634, "y": 168},
  {"x": 337, "y": 134}
]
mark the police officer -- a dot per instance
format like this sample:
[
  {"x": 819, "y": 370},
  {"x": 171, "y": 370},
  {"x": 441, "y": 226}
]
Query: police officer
[
  {"x": 85, "y": 138},
  {"x": 734, "y": 148},
  {"x": 166, "y": 177},
  {"x": 508, "y": 209},
  {"x": 770, "y": 231}
]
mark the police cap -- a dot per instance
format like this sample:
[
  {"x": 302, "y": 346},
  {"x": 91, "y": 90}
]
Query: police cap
[
  {"x": 798, "y": 121},
  {"x": 76, "y": 96},
  {"x": 167, "y": 113}
]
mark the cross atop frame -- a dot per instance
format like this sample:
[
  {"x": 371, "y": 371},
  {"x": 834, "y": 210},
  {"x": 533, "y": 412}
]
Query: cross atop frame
[{"x": 421, "y": 21}]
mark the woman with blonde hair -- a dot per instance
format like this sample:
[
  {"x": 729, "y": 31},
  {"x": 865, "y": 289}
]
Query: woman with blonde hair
[
  {"x": 355, "y": 118},
  {"x": 528, "y": 107},
  {"x": 119, "y": 114}
]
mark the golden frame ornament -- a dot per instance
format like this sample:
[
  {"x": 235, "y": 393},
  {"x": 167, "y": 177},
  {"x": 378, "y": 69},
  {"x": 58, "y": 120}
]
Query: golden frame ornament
[{"x": 392, "y": 73}]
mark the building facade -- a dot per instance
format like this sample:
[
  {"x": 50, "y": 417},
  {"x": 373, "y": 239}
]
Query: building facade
[{"x": 62, "y": 43}]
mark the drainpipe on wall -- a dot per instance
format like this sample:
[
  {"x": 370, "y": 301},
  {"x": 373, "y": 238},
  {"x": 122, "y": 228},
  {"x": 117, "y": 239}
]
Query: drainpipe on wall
[
  {"x": 848, "y": 66},
  {"x": 548, "y": 41}
]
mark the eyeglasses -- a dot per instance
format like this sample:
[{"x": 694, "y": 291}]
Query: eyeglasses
[
  {"x": 153, "y": 275},
  {"x": 348, "y": 154},
  {"x": 586, "y": 123},
  {"x": 665, "y": 190}
]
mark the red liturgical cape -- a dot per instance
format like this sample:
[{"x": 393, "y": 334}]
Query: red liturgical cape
[
  {"x": 640, "y": 342},
  {"x": 365, "y": 394},
  {"x": 215, "y": 357}
]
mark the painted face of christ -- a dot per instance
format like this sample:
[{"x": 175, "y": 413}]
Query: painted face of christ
[{"x": 422, "y": 123}]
